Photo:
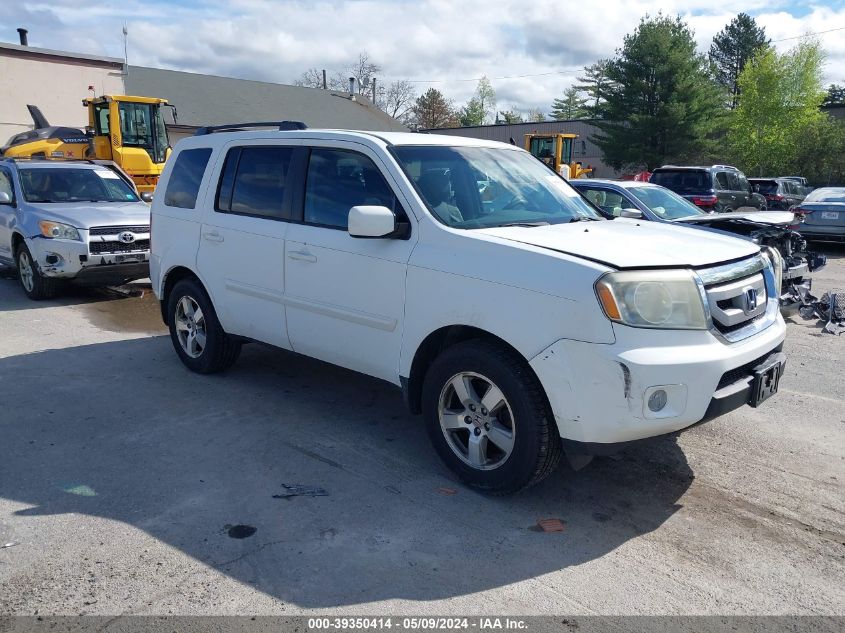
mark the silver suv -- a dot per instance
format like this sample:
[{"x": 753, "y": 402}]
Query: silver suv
[{"x": 71, "y": 220}]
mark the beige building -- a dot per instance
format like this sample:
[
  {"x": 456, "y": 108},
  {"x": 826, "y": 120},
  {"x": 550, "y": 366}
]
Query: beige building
[{"x": 55, "y": 81}]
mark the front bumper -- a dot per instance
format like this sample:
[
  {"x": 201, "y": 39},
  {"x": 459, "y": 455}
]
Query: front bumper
[
  {"x": 599, "y": 393},
  {"x": 71, "y": 260}
]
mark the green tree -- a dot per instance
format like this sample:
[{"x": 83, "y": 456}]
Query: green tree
[
  {"x": 571, "y": 106},
  {"x": 433, "y": 110},
  {"x": 593, "y": 82},
  {"x": 472, "y": 113},
  {"x": 835, "y": 95},
  {"x": 780, "y": 96},
  {"x": 820, "y": 152},
  {"x": 511, "y": 116},
  {"x": 486, "y": 97},
  {"x": 732, "y": 47},
  {"x": 659, "y": 102}
]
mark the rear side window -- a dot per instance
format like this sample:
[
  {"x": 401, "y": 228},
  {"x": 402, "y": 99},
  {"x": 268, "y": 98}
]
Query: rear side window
[
  {"x": 722, "y": 181},
  {"x": 339, "y": 180},
  {"x": 6, "y": 184},
  {"x": 682, "y": 180},
  {"x": 184, "y": 184},
  {"x": 254, "y": 182},
  {"x": 608, "y": 201}
]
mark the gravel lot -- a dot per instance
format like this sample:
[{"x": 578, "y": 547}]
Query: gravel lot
[{"x": 122, "y": 476}]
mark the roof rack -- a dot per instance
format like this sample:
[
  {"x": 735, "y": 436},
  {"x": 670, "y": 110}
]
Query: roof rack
[
  {"x": 283, "y": 126},
  {"x": 724, "y": 167}
]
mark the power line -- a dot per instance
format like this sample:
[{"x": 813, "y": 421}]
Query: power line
[
  {"x": 553, "y": 72},
  {"x": 798, "y": 37}
]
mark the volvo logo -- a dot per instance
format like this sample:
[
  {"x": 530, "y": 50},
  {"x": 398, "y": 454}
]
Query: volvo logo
[
  {"x": 750, "y": 300},
  {"x": 126, "y": 237}
]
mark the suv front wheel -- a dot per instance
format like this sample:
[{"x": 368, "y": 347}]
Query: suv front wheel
[
  {"x": 34, "y": 284},
  {"x": 488, "y": 417},
  {"x": 196, "y": 334}
]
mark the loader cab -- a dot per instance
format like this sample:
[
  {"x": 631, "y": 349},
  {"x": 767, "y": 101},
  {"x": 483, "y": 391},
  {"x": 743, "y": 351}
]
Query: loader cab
[
  {"x": 132, "y": 132},
  {"x": 555, "y": 150}
]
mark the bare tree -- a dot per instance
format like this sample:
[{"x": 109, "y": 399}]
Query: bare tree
[
  {"x": 311, "y": 78},
  {"x": 535, "y": 115},
  {"x": 363, "y": 70},
  {"x": 396, "y": 99}
]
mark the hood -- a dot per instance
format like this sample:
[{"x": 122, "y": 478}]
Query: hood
[
  {"x": 763, "y": 217},
  {"x": 84, "y": 215},
  {"x": 624, "y": 243}
]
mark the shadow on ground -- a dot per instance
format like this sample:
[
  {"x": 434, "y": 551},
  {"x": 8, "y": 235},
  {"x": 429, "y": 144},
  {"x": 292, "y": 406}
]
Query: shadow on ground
[{"x": 129, "y": 435}]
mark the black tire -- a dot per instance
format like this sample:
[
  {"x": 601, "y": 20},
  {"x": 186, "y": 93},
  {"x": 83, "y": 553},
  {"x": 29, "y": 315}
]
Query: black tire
[
  {"x": 41, "y": 287},
  {"x": 536, "y": 444},
  {"x": 220, "y": 350}
]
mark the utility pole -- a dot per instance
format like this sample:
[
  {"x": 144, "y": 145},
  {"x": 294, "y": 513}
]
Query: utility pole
[
  {"x": 324, "y": 78},
  {"x": 125, "y": 50}
]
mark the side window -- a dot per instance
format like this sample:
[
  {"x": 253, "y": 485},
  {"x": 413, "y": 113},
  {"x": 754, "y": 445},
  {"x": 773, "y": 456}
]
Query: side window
[
  {"x": 733, "y": 182},
  {"x": 101, "y": 119},
  {"x": 339, "y": 180},
  {"x": 722, "y": 182},
  {"x": 254, "y": 182},
  {"x": 184, "y": 184},
  {"x": 6, "y": 184},
  {"x": 742, "y": 182},
  {"x": 607, "y": 201}
]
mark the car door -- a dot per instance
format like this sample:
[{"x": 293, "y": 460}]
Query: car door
[
  {"x": 242, "y": 240},
  {"x": 345, "y": 296},
  {"x": 743, "y": 191},
  {"x": 8, "y": 215}
]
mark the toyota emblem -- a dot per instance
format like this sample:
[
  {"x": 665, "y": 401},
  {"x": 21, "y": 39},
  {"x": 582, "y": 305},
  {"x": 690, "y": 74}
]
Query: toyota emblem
[{"x": 126, "y": 237}]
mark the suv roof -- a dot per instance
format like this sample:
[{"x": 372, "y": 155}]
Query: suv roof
[{"x": 708, "y": 168}]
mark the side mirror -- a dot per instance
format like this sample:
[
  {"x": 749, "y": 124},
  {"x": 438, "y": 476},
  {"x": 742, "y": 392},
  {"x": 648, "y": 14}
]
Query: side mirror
[
  {"x": 147, "y": 196},
  {"x": 634, "y": 214},
  {"x": 372, "y": 222},
  {"x": 5, "y": 198}
]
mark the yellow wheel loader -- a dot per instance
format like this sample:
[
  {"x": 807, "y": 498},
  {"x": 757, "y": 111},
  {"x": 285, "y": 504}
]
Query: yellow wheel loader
[
  {"x": 555, "y": 150},
  {"x": 127, "y": 130}
]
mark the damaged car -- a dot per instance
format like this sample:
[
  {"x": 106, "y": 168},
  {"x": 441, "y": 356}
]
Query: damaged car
[
  {"x": 772, "y": 230},
  {"x": 63, "y": 221}
]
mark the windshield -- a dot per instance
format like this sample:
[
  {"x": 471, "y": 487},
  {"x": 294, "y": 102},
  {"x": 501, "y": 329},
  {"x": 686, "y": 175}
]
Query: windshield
[
  {"x": 482, "y": 187},
  {"x": 832, "y": 194},
  {"x": 142, "y": 125},
  {"x": 74, "y": 185},
  {"x": 682, "y": 180},
  {"x": 664, "y": 203}
]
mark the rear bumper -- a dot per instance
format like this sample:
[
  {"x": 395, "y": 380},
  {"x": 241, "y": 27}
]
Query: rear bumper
[{"x": 821, "y": 232}]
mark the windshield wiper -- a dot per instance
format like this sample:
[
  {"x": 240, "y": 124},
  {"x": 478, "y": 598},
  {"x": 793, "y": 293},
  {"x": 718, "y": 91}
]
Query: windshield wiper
[
  {"x": 526, "y": 224},
  {"x": 583, "y": 218}
]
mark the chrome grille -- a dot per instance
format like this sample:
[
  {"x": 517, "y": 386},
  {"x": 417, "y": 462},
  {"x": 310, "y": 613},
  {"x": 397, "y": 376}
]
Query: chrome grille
[
  {"x": 738, "y": 297},
  {"x": 114, "y": 230},
  {"x": 98, "y": 248}
]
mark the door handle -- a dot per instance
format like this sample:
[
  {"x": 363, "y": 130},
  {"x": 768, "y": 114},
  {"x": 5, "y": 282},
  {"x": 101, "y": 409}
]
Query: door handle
[
  {"x": 302, "y": 256},
  {"x": 213, "y": 237}
]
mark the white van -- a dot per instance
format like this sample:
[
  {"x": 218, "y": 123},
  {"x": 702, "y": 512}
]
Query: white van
[{"x": 520, "y": 321}]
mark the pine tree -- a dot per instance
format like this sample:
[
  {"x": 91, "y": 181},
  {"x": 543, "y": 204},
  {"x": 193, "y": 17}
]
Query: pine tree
[
  {"x": 571, "y": 106},
  {"x": 593, "y": 82},
  {"x": 732, "y": 47}
]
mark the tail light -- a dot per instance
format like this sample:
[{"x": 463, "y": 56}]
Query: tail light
[
  {"x": 704, "y": 201},
  {"x": 801, "y": 212},
  {"x": 775, "y": 196}
]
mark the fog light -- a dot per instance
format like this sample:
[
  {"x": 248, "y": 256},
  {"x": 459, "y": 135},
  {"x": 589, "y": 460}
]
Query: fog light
[
  {"x": 52, "y": 259},
  {"x": 657, "y": 400}
]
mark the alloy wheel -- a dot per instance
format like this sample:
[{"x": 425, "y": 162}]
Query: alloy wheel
[
  {"x": 190, "y": 327},
  {"x": 26, "y": 271}
]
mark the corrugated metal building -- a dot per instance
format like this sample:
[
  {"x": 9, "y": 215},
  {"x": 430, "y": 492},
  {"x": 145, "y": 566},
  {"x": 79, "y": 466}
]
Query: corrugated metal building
[{"x": 584, "y": 149}]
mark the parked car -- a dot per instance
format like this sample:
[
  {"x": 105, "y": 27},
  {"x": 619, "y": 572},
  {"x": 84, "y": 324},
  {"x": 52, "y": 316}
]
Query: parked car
[
  {"x": 824, "y": 214},
  {"x": 803, "y": 184},
  {"x": 520, "y": 322},
  {"x": 720, "y": 188},
  {"x": 770, "y": 229},
  {"x": 78, "y": 221},
  {"x": 780, "y": 193}
]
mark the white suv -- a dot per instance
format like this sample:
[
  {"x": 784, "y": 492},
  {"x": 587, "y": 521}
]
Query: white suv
[{"x": 515, "y": 317}]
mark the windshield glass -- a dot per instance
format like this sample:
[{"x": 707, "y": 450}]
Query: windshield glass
[
  {"x": 832, "y": 194},
  {"x": 664, "y": 203},
  {"x": 142, "y": 125},
  {"x": 74, "y": 185},
  {"x": 481, "y": 187},
  {"x": 682, "y": 180}
]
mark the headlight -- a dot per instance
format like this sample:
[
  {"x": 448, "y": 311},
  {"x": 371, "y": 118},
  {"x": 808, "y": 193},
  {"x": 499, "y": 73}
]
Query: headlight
[
  {"x": 776, "y": 260},
  {"x": 653, "y": 299},
  {"x": 58, "y": 231}
]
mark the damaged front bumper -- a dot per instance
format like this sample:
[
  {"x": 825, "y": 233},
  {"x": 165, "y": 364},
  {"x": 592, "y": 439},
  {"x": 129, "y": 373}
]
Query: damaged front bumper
[
  {"x": 601, "y": 394},
  {"x": 71, "y": 260}
]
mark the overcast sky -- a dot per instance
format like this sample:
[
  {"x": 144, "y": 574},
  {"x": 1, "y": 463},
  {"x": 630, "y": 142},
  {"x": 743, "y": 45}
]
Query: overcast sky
[{"x": 433, "y": 42}]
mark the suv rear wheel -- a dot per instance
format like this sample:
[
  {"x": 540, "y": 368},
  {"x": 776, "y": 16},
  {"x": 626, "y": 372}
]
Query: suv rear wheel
[
  {"x": 34, "y": 284},
  {"x": 195, "y": 332},
  {"x": 488, "y": 417}
]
